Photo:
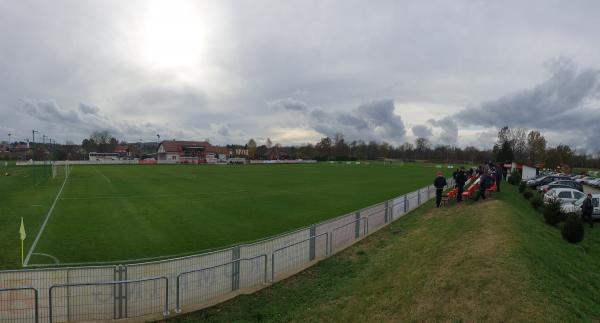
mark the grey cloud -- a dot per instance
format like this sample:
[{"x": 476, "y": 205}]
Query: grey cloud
[
  {"x": 289, "y": 104},
  {"x": 348, "y": 119},
  {"x": 88, "y": 109},
  {"x": 449, "y": 130},
  {"x": 48, "y": 110},
  {"x": 421, "y": 131},
  {"x": 334, "y": 55},
  {"x": 380, "y": 116},
  {"x": 374, "y": 120},
  {"x": 223, "y": 131},
  {"x": 564, "y": 103},
  {"x": 81, "y": 121}
]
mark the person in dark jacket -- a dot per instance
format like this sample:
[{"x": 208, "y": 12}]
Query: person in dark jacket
[
  {"x": 454, "y": 176},
  {"x": 461, "y": 179},
  {"x": 498, "y": 177},
  {"x": 587, "y": 209},
  {"x": 484, "y": 184},
  {"x": 439, "y": 183}
]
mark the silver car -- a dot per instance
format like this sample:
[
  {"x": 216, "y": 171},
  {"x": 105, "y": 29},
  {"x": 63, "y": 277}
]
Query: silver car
[
  {"x": 564, "y": 195},
  {"x": 575, "y": 207}
]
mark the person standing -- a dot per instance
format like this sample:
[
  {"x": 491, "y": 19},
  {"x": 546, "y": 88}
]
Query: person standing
[
  {"x": 461, "y": 179},
  {"x": 587, "y": 209},
  {"x": 454, "y": 176},
  {"x": 439, "y": 183},
  {"x": 484, "y": 184},
  {"x": 498, "y": 177}
]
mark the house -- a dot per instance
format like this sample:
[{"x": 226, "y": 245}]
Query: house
[
  {"x": 123, "y": 151},
  {"x": 191, "y": 152}
]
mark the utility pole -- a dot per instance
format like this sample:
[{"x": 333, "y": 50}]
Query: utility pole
[
  {"x": 157, "y": 145},
  {"x": 9, "y": 149},
  {"x": 44, "y": 147},
  {"x": 33, "y": 155}
]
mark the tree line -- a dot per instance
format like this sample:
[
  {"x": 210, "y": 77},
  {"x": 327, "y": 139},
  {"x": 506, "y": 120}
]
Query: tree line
[{"x": 512, "y": 144}]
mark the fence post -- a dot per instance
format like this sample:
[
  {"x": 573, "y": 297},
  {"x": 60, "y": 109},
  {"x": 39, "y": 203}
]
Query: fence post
[
  {"x": 312, "y": 244},
  {"x": 357, "y": 226},
  {"x": 118, "y": 308},
  {"x": 235, "y": 268},
  {"x": 37, "y": 306},
  {"x": 385, "y": 217},
  {"x": 50, "y": 304},
  {"x": 405, "y": 203},
  {"x": 419, "y": 197}
]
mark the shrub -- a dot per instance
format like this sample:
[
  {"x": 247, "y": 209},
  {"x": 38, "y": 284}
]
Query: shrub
[
  {"x": 572, "y": 230},
  {"x": 536, "y": 202},
  {"x": 522, "y": 187},
  {"x": 515, "y": 177},
  {"x": 553, "y": 214},
  {"x": 527, "y": 194}
]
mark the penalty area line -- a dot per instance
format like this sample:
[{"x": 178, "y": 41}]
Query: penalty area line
[
  {"x": 101, "y": 173},
  {"x": 56, "y": 261},
  {"x": 37, "y": 238}
]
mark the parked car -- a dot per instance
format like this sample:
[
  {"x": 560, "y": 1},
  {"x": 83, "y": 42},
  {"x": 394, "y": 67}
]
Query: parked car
[
  {"x": 595, "y": 183},
  {"x": 531, "y": 180},
  {"x": 548, "y": 179},
  {"x": 561, "y": 183},
  {"x": 575, "y": 207},
  {"x": 564, "y": 195},
  {"x": 588, "y": 180},
  {"x": 582, "y": 179}
]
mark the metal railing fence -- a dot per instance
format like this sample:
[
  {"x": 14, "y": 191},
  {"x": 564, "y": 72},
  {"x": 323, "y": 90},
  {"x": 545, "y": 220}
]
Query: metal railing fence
[
  {"x": 197, "y": 281},
  {"x": 17, "y": 306},
  {"x": 290, "y": 262},
  {"x": 201, "y": 285},
  {"x": 108, "y": 300}
]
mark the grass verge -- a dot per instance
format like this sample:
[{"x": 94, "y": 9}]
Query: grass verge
[{"x": 494, "y": 260}]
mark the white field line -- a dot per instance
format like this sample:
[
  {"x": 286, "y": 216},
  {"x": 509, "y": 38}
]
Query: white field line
[
  {"x": 102, "y": 197},
  {"x": 56, "y": 261},
  {"x": 37, "y": 238},
  {"x": 101, "y": 173}
]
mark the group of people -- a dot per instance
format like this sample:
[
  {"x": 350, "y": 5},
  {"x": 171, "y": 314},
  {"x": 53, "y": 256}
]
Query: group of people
[{"x": 488, "y": 174}]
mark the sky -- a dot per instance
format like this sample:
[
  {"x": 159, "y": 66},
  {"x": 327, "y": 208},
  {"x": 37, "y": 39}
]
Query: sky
[{"x": 295, "y": 71}]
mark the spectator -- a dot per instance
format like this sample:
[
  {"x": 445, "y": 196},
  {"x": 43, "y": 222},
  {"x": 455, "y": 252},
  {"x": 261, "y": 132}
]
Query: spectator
[
  {"x": 587, "y": 209},
  {"x": 439, "y": 183},
  {"x": 454, "y": 176},
  {"x": 461, "y": 179},
  {"x": 498, "y": 177},
  {"x": 484, "y": 184}
]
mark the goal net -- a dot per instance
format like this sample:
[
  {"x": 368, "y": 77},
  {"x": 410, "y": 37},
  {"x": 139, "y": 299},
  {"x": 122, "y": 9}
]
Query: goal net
[
  {"x": 68, "y": 168},
  {"x": 392, "y": 162}
]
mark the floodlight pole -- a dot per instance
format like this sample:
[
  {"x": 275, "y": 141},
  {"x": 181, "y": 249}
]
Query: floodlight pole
[
  {"x": 9, "y": 150},
  {"x": 44, "y": 145},
  {"x": 33, "y": 154},
  {"x": 157, "y": 145}
]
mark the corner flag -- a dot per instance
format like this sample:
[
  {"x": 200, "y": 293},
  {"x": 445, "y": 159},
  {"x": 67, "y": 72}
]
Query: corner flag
[
  {"x": 22, "y": 235},
  {"x": 22, "y": 231}
]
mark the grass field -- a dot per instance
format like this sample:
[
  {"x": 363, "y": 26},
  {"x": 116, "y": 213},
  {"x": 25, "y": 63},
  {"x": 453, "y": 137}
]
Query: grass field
[
  {"x": 493, "y": 260},
  {"x": 122, "y": 212}
]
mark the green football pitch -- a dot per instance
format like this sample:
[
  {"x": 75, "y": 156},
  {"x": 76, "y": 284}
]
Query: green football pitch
[{"x": 122, "y": 212}]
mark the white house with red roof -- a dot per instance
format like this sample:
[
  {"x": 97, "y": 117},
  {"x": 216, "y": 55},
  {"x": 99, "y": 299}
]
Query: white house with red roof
[{"x": 191, "y": 152}]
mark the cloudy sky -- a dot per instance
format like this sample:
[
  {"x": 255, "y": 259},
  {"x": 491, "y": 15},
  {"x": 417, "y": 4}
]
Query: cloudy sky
[{"x": 295, "y": 71}]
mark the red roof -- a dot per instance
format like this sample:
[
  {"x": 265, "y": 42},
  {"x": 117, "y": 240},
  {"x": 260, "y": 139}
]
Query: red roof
[
  {"x": 218, "y": 150},
  {"x": 177, "y": 146}
]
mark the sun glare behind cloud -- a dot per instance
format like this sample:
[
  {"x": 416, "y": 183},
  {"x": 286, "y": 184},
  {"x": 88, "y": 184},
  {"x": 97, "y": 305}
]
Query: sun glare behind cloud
[{"x": 172, "y": 35}]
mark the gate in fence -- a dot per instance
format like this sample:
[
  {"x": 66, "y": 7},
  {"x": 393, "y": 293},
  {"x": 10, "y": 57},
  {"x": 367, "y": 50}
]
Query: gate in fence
[{"x": 154, "y": 289}]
